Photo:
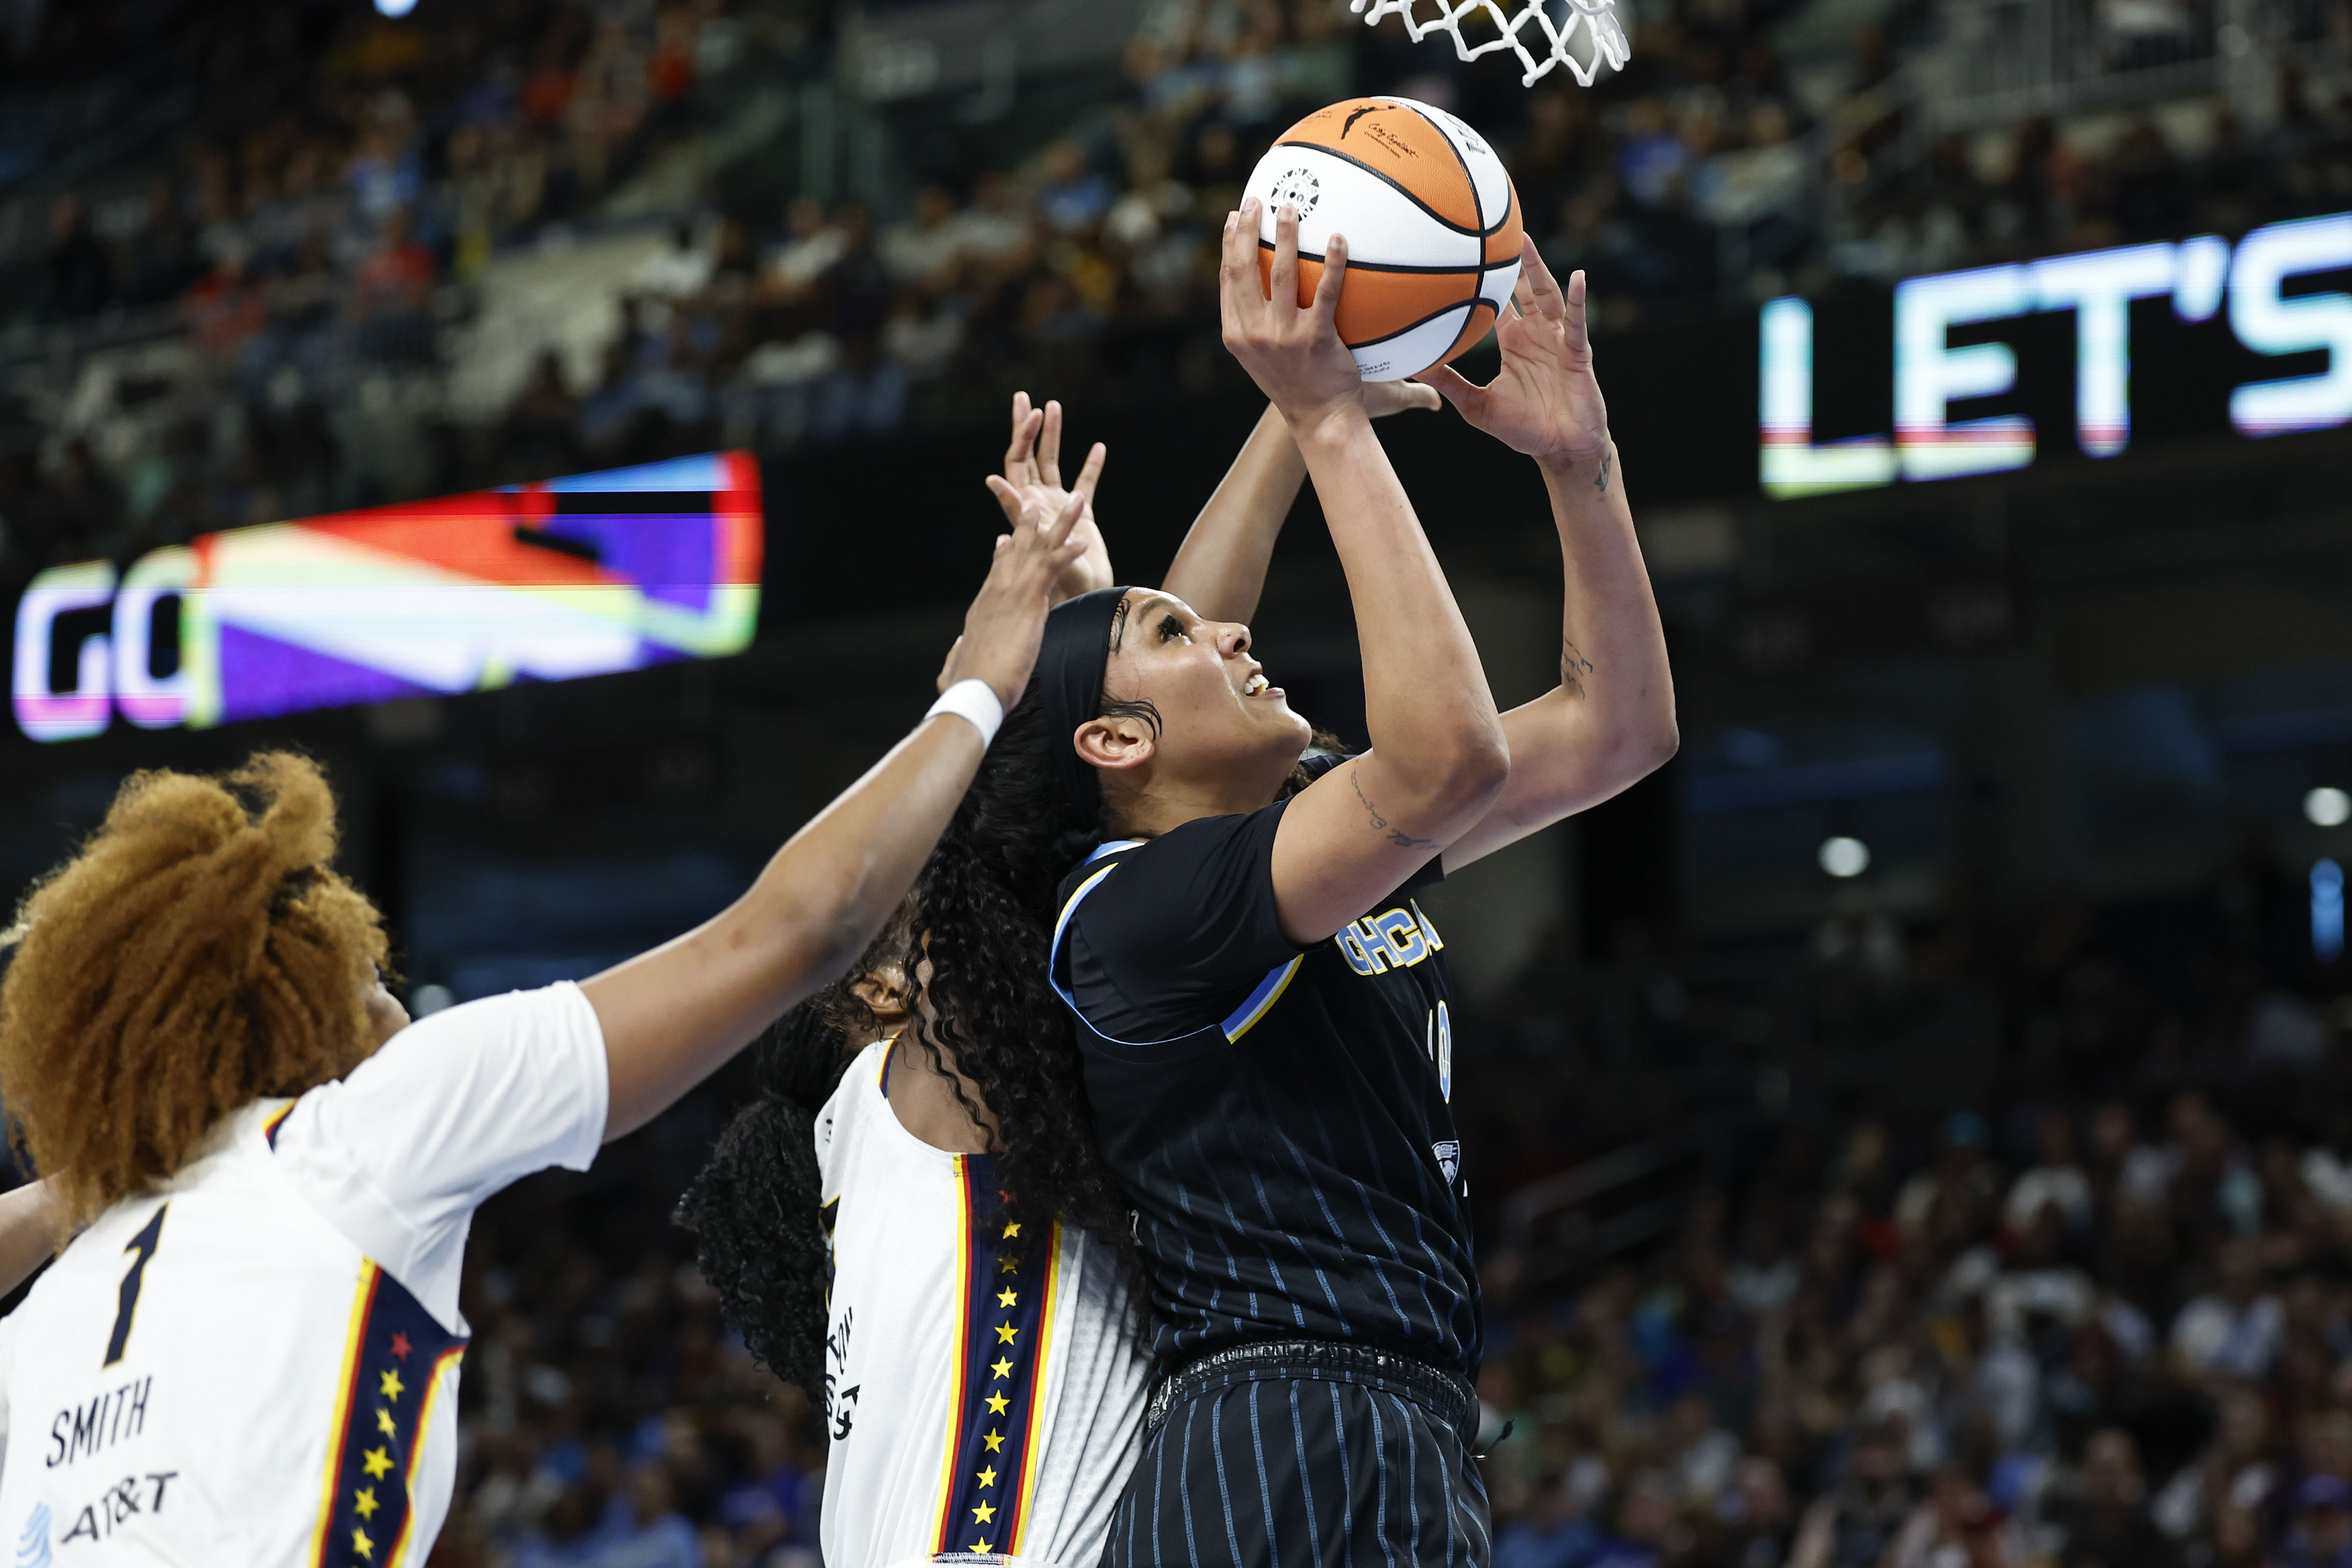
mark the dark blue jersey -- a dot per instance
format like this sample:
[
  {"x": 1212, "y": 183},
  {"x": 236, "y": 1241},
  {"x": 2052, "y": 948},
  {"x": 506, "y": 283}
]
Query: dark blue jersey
[{"x": 1279, "y": 1117}]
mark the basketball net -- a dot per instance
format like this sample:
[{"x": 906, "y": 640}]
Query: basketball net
[{"x": 1597, "y": 19}]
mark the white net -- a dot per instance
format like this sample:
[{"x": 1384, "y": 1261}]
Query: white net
[{"x": 1532, "y": 34}]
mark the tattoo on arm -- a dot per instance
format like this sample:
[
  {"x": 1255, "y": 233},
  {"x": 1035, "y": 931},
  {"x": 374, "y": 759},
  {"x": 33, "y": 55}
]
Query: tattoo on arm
[
  {"x": 1400, "y": 840},
  {"x": 1600, "y": 480},
  {"x": 1573, "y": 667}
]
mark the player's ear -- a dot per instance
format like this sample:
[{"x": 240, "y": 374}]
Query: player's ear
[
  {"x": 884, "y": 990},
  {"x": 1116, "y": 742}
]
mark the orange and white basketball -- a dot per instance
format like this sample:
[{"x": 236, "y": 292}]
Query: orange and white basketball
[{"x": 1431, "y": 220}]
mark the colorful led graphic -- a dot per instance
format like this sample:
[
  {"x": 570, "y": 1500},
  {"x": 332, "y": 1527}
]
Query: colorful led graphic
[
  {"x": 583, "y": 576},
  {"x": 2274, "y": 310}
]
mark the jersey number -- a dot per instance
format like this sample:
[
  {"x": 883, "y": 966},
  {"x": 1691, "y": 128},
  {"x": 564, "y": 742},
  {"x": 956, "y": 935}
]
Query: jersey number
[{"x": 128, "y": 1302}]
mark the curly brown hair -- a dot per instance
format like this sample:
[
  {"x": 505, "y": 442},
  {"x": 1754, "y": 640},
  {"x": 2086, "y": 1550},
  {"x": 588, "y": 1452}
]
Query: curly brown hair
[{"x": 198, "y": 954}]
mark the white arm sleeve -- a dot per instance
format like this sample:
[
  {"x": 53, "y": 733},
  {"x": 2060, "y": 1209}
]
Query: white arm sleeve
[{"x": 399, "y": 1154}]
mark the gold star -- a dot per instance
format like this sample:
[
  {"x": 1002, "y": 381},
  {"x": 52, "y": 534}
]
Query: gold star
[
  {"x": 364, "y": 1501},
  {"x": 1004, "y": 1332},
  {"x": 383, "y": 1422},
  {"x": 997, "y": 1404},
  {"x": 1008, "y": 1265},
  {"x": 1005, "y": 1298},
  {"x": 1001, "y": 1366},
  {"x": 391, "y": 1385},
  {"x": 1012, "y": 1228},
  {"x": 361, "y": 1544},
  {"x": 988, "y": 1475},
  {"x": 984, "y": 1514},
  {"x": 376, "y": 1462},
  {"x": 993, "y": 1440},
  {"x": 982, "y": 1545}
]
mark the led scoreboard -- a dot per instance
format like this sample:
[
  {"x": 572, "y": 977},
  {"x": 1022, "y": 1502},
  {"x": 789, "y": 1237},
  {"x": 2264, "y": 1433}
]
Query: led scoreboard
[
  {"x": 2254, "y": 337},
  {"x": 582, "y": 576}
]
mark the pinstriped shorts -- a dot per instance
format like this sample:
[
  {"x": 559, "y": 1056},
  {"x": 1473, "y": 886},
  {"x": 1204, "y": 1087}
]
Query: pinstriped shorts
[{"x": 1257, "y": 1471}]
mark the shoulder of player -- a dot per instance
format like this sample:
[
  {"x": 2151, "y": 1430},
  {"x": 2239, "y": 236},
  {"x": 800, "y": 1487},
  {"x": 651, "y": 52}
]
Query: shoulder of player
[
  {"x": 854, "y": 1098},
  {"x": 1179, "y": 844}
]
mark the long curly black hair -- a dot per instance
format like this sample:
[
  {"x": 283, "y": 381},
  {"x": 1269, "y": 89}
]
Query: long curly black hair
[
  {"x": 977, "y": 962},
  {"x": 974, "y": 949},
  {"x": 755, "y": 1207}
]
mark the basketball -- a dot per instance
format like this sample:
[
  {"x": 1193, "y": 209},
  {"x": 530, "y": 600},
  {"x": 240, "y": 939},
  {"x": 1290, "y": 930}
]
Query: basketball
[{"x": 1432, "y": 221}]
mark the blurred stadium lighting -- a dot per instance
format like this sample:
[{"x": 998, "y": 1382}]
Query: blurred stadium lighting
[
  {"x": 2328, "y": 807},
  {"x": 2326, "y": 911},
  {"x": 394, "y": 8},
  {"x": 1844, "y": 857}
]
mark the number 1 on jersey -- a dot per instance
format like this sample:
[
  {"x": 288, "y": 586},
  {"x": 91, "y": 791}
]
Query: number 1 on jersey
[{"x": 144, "y": 1245}]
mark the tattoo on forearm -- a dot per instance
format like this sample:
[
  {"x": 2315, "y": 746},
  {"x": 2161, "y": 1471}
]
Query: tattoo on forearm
[
  {"x": 1600, "y": 480},
  {"x": 1403, "y": 840},
  {"x": 1573, "y": 667}
]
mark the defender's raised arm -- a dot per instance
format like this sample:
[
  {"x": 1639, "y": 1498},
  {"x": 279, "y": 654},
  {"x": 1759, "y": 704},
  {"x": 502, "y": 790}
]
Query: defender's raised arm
[{"x": 673, "y": 1015}]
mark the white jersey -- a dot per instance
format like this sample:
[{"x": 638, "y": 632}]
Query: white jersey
[
  {"x": 984, "y": 1388},
  {"x": 257, "y": 1363}
]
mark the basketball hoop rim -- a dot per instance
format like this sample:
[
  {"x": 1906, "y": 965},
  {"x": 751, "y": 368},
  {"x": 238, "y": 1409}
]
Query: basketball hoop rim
[{"x": 1595, "y": 20}]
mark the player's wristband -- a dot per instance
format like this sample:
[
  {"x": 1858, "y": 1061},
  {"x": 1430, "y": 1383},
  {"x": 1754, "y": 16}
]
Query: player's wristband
[{"x": 975, "y": 701}]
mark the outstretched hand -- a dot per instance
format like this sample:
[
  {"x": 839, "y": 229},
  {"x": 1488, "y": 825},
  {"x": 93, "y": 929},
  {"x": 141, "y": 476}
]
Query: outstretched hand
[
  {"x": 1546, "y": 402},
  {"x": 1033, "y": 469},
  {"x": 1293, "y": 352},
  {"x": 1002, "y": 629}
]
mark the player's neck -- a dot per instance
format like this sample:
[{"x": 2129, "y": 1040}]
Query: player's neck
[
  {"x": 923, "y": 1098},
  {"x": 1161, "y": 804}
]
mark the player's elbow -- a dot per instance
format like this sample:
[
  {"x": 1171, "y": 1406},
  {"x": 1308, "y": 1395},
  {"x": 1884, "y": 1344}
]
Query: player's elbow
[
  {"x": 1657, "y": 744},
  {"x": 1471, "y": 768},
  {"x": 1640, "y": 750}
]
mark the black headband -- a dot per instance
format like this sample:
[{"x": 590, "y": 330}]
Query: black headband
[{"x": 1070, "y": 666}]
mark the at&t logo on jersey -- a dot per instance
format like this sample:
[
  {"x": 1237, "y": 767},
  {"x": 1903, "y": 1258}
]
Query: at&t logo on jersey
[{"x": 122, "y": 1501}]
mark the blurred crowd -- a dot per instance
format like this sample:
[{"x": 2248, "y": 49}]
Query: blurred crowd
[
  {"x": 2100, "y": 1318},
  {"x": 2101, "y": 1335},
  {"x": 287, "y": 277},
  {"x": 354, "y": 178},
  {"x": 610, "y": 1418}
]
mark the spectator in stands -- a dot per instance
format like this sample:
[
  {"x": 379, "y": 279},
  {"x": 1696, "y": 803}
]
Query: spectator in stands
[
  {"x": 2108, "y": 1524},
  {"x": 2054, "y": 1182},
  {"x": 2322, "y": 1534},
  {"x": 2234, "y": 1333},
  {"x": 1854, "y": 1524},
  {"x": 226, "y": 306},
  {"x": 78, "y": 278},
  {"x": 536, "y": 440}
]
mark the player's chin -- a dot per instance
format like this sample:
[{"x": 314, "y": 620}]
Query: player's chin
[{"x": 1279, "y": 716}]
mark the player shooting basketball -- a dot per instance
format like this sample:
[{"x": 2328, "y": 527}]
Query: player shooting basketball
[
  {"x": 837, "y": 1215},
  {"x": 1297, "y": 1203},
  {"x": 249, "y": 1353}
]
